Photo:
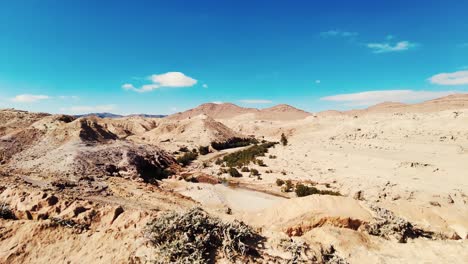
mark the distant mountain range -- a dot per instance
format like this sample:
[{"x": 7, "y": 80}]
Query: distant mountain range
[{"x": 111, "y": 115}]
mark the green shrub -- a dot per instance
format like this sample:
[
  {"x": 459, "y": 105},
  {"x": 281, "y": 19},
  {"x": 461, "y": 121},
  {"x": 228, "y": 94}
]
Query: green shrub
[
  {"x": 187, "y": 158},
  {"x": 244, "y": 157},
  {"x": 196, "y": 237},
  {"x": 233, "y": 172},
  {"x": 254, "y": 172},
  {"x": 284, "y": 140},
  {"x": 203, "y": 150},
  {"x": 183, "y": 149},
  {"x": 233, "y": 143},
  {"x": 218, "y": 162},
  {"x": 279, "y": 182},
  {"x": 261, "y": 163},
  {"x": 245, "y": 169},
  {"x": 303, "y": 190}
]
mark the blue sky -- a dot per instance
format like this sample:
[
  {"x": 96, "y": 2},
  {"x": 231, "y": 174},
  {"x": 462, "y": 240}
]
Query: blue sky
[{"x": 161, "y": 57}]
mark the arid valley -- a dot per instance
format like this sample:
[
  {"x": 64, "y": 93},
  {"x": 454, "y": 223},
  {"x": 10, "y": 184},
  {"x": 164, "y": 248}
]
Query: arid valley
[{"x": 222, "y": 183}]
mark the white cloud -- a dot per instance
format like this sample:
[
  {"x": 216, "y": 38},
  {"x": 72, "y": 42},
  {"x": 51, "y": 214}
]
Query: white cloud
[
  {"x": 217, "y": 102},
  {"x": 169, "y": 79},
  {"x": 89, "y": 109},
  {"x": 205, "y": 85},
  {"x": 338, "y": 33},
  {"x": 454, "y": 78},
  {"x": 29, "y": 98},
  {"x": 375, "y": 97},
  {"x": 255, "y": 101},
  {"x": 387, "y": 47},
  {"x": 317, "y": 81},
  {"x": 67, "y": 97}
]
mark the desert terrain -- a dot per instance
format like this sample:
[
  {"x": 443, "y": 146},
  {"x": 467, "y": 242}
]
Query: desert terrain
[{"x": 225, "y": 184}]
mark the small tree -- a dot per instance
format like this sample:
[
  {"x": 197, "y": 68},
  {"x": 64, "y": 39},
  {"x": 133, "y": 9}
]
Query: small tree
[
  {"x": 254, "y": 172},
  {"x": 233, "y": 172},
  {"x": 203, "y": 150},
  {"x": 284, "y": 140},
  {"x": 245, "y": 169}
]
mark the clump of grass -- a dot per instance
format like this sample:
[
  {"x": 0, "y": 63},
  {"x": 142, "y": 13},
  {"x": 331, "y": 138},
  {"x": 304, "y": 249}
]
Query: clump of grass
[
  {"x": 196, "y": 237},
  {"x": 187, "y": 158},
  {"x": 233, "y": 143},
  {"x": 303, "y": 190},
  {"x": 203, "y": 150},
  {"x": 244, "y": 157},
  {"x": 279, "y": 182},
  {"x": 233, "y": 172},
  {"x": 254, "y": 172},
  {"x": 245, "y": 169}
]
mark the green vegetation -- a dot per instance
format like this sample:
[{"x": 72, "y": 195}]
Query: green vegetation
[
  {"x": 219, "y": 161},
  {"x": 233, "y": 172},
  {"x": 272, "y": 157},
  {"x": 303, "y": 190},
  {"x": 245, "y": 169},
  {"x": 279, "y": 182},
  {"x": 203, "y": 150},
  {"x": 187, "y": 158},
  {"x": 233, "y": 143},
  {"x": 254, "y": 172},
  {"x": 284, "y": 140},
  {"x": 196, "y": 237},
  {"x": 183, "y": 149},
  {"x": 244, "y": 157},
  {"x": 261, "y": 163}
]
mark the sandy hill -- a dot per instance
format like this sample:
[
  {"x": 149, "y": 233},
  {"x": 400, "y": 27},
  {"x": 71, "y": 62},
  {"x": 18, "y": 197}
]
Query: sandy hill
[
  {"x": 450, "y": 102},
  {"x": 216, "y": 111},
  {"x": 228, "y": 110},
  {"x": 63, "y": 147},
  {"x": 192, "y": 131},
  {"x": 282, "y": 112}
]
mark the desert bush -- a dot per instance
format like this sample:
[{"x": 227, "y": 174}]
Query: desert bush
[
  {"x": 187, "y": 158},
  {"x": 233, "y": 172},
  {"x": 5, "y": 211},
  {"x": 245, "y": 169},
  {"x": 183, "y": 149},
  {"x": 203, "y": 150},
  {"x": 244, "y": 157},
  {"x": 272, "y": 157},
  {"x": 196, "y": 237},
  {"x": 261, "y": 163},
  {"x": 279, "y": 182},
  {"x": 219, "y": 161},
  {"x": 284, "y": 140},
  {"x": 303, "y": 190},
  {"x": 288, "y": 186},
  {"x": 254, "y": 172},
  {"x": 233, "y": 143}
]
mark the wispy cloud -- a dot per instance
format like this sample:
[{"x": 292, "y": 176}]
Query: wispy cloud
[
  {"x": 255, "y": 101},
  {"x": 463, "y": 45},
  {"x": 205, "y": 85},
  {"x": 169, "y": 79},
  {"x": 454, "y": 78},
  {"x": 29, "y": 98},
  {"x": 379, "y": 96},
  {"x": 338, "y": 33},
  {"x": 386, "y": 47},
  {"x": 217, "y": 102},
  {"x": 89, "y": 109}
]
